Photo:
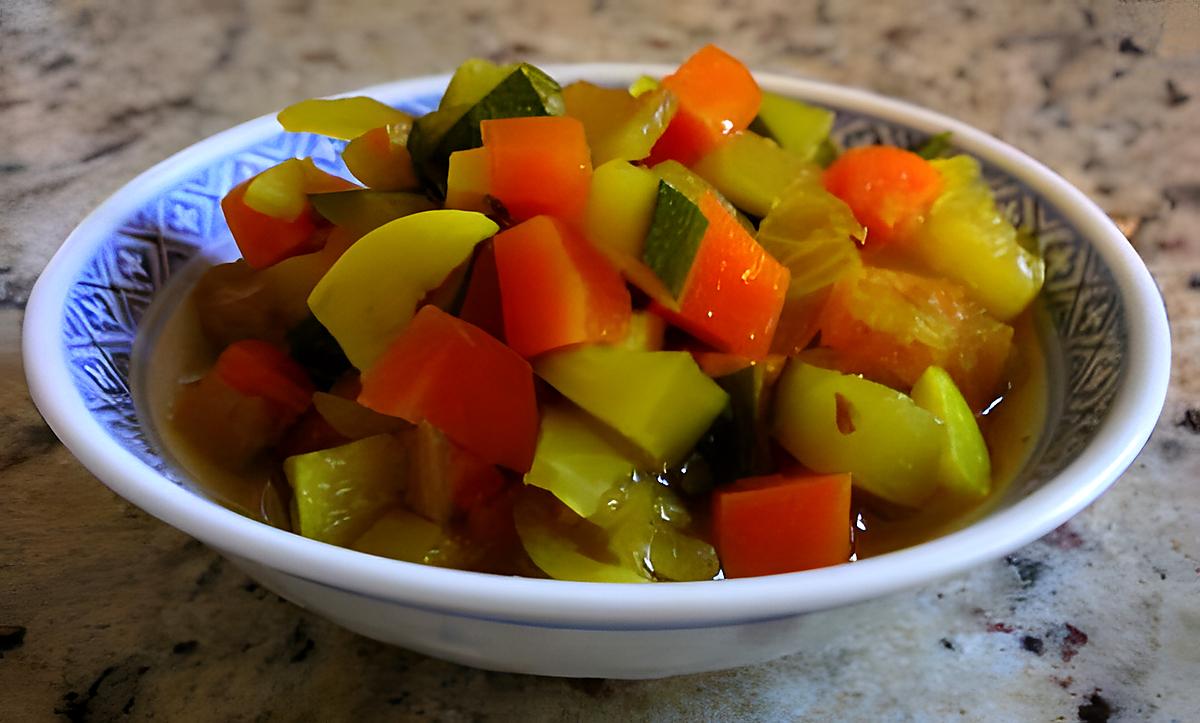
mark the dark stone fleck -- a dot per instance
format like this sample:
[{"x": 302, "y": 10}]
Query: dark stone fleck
[
  {"x": 1172, "y": 450},
  {"x": 62, "y": 61},
  {"x": 1194, "y": 282},
  {"x": 1106, "y": 189},
  {"x": 1190, "y": 421},
  {"x": 1096, "y": 709},
  {"x": 97, "y": 702},
  {"x": 11, "y": 638},
  {"x": 1119, "y": 73},
  {"x": 185, "y": 647},
  {"x": 591, "y": 687},
  {"x": 1033, "y": 644},
  {"x": 23, "y": 442},
  {"x": 109, "y": 149},
  {"x": 999, "y": 628},
  {"x": 304, "y": 651},
  {"x": 397, "y": 700},
  {"x": 1175, "y": 97},
  {"x": 1027, "y": 570},
  {"x": 1129, "y": 47},
  {"x": 12, "y": 167},
  {"x": 1089, "y": 18},
  {"x": 947, "y": 644},
  {"x": 1072, "y": 642}
]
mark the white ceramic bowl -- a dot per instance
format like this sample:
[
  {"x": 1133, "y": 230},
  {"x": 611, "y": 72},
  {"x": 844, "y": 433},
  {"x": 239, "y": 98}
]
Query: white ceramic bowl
[{"x": 1109, "y": 368}]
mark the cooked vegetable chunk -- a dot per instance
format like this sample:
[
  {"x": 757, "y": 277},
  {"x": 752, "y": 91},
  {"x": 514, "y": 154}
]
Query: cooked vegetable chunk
[
  {"x": 380, "y": 158},
  {"x": 795, "y": 125},
  {"x": 362, "y": 211},
  {"x": 469, "y": 181},
  {"x": 753, "y": 172},
  {"x": 446, "y": 480},
  {"x": 619, "y": 125},
  {"x": 964, "y": 467},
  {"x": 717, "y": 96},
  {"x": 889, "y": 189},
  {"x": 556, "y": 289},
  {"x": 660, "y": 401},
  {"x": 967, "y": 239},
  {"x": 832, "y": 422},
  {"x": 401, "y": 535},
  {"x": 462, "y": 381},
  {"x": 400, "y": 261},
  {"x": 260, "y": 369},
  {"x": 578, "y": 460},
  {"x": 340, "y": 492},
  {"x": 538, "y": 166},
  {"x": 782, "y": 523},
  {"x": 343, "y": 118}
]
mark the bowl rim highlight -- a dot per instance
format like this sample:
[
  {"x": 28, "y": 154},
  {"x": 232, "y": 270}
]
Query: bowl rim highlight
[{"x": 612, "y": 606}]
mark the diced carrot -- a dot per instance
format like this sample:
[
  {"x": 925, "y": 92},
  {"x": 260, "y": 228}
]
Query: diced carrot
[
  {"x": 539, "y": 165},
  {"x": 461, "y": 380},
  {"x": 717, "y": 96},
  {"x": 734, "y": 291},
  {"x": 265, "y": 240},
  {"x": 889, "y": 189},
  {"x": 260, "y": 369},
  {"x": 379, "y": 161},
  {"x": 782, "y": 523},
  {"x": 557, "y": 289},
  {"x": 481, "y": 306}
]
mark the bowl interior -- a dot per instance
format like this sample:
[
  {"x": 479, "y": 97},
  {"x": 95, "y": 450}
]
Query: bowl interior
[{"x": 115, "y": 264}]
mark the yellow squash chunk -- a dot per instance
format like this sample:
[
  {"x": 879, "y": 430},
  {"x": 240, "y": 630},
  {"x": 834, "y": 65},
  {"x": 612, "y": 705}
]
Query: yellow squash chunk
[
  {"x": 380, "y": 159},
  {"x": 967, "y": 239},
  {"x": 469, "y": 181},
  {"x": 832, "y": 422},
  {"x": 344, "y": 118},
  {"x": 646, "y": 332},
  {"x": 658, "y": 400},
  {"x": 964, "y": 465},
  {"x": 340, "y": 492},
  {"x": 619, "y": 126},
  {"x": 577, "y": 460},
  {"x": 620, "y": 207},
  {"x": 400, "y": 535},
  {"x": 368, "y": 297},
  {"x": 564, "y": 546},
  {"x": 278, "y": 191},
  {"x": 754, "y": 172}
]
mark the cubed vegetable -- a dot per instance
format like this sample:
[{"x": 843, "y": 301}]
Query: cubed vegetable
[
  {"x": 646, "y": 332},
  {"x": 964, "y": 467},
  {"x": 539, "y": 166},
  {"x": 660, "y": 401},
  {"x": 317, "y": 352},
  {"x": 225, "y": 425},
  {"x": 782, "y": 523},
  {"x": 578, "y": 460},
  {"x": 469, "y": 181},
  {"x": 743, "y": 435},
  {"x": 476, "y": 95},
  {"x": 556, "y": 289},
  {"x": 340, "y": 492},
  {"x": 889, "y": 189},
  {"x": 261, "y": 369},
  {"x": 620, "y": 207},
  {"x": 734, "y": 290},
  {"x": 343, "y": 118},
  {"x": 482, "y": 305},
  {"x": 717, "y": 96},
  {"x": 352, "y": 420},
  {"x": 400, "y": 535},
  {"x": 400, "y": 261},
  {"x": 753, "y": 172},
  {"x": 619, "y": 125},
  {"x": 462, "y": 381},
  {"x": 795, "y": 125},
  {"x": 832, "y": 422},
  {"x": 559, "y": 542}
]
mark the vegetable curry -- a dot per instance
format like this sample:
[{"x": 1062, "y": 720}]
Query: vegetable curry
[{"x": 664, "y": 333}]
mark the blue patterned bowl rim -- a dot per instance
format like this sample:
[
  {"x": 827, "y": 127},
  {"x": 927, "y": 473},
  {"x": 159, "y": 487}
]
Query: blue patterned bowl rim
[{"x": 84, "y": 309}]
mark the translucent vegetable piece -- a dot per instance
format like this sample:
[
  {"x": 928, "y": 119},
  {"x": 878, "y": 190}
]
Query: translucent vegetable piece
[
  {"x": 340, "y": 492},
  {"x": 964, "y": 466},
  {"x": 577, "y": 460},
  {"x": 343, "y": 118},
  {"x": 619, "y": 125},
  {"x": 362, "y": 211},
  {"x": 968, "y": 239},
  {"x": 794, "y": 125},
  {"x": 401, "y": 535},
  {"x": 754, "y": 172},
  {"x": 832, "y": 422},
  {"x": 380, "y": 159}
]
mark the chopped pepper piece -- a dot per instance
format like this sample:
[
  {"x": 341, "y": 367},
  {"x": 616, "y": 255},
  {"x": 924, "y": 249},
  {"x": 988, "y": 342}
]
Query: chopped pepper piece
[
  {"x": 577, "y": 460},
  {"x": 380, "y": 159},
  {"x": 619, "y": 125},
  {"x": 343, "y": 118},
  {"x": 964, "y": 465}
]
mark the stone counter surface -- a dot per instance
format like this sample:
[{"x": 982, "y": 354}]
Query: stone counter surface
[{"x": 106, "y": 613}]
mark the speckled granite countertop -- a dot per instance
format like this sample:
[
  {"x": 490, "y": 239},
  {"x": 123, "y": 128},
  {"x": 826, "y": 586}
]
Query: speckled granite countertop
[{"x": 106, "y": 613}]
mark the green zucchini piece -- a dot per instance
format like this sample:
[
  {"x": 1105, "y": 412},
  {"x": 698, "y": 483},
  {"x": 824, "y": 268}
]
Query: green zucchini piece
[
  {"x": 361, "y": 212},
  {"x": 964, "y": 467},
  {"x": 315, "y": 349},
  {"x": 676, "y": 231},
  {"x": 694, "y": 187},
  {"x": 754, "y": 172},
  {"x": 524, "y": 92},
  {"x": 794, "y": 125}
]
